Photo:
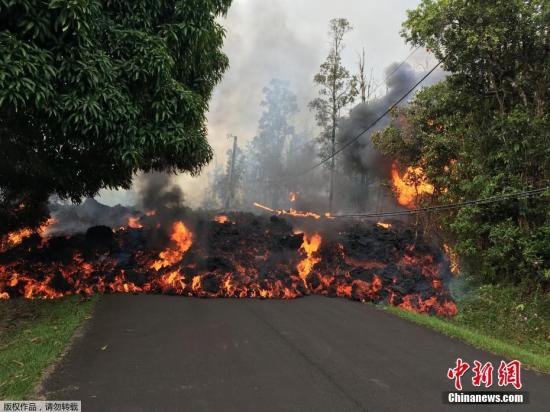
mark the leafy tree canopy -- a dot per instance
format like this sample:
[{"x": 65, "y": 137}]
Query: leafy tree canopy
[
  {"x": 484, "y": 131},
  {"x": 92, "y": 91}
]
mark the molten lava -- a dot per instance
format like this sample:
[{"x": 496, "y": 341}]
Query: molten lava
[
  {"x": 133, "y": 222},
  {"x": 410, "y": 186},
  {"x": 221, "y": 219},
  {"x": 254, "y": 257},
  {"x": 15, "y": 238},
  {"x": 183, "y": 239},
  {"x": 293, "y": 212},
  {"x": 310, "y": 246}
]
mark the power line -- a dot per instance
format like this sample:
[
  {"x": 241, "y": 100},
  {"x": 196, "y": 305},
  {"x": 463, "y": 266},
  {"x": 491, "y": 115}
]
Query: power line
[
  {"x": 350, "y": 142},
  {"x": 388, "y": 77},
  {"x": 397, "y": 68},
  {"x": 484, "y": 201},
  {"x": 488, "y": 200}
]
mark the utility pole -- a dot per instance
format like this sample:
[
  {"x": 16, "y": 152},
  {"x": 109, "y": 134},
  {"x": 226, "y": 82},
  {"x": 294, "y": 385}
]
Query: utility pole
[{"x": 231, "y": 173}]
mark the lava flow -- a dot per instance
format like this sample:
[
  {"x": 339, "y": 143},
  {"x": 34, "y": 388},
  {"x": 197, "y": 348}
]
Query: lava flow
[{"x": 237, "y": 257}]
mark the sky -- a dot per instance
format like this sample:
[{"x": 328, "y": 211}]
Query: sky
[{"x": 288, "y": 40}]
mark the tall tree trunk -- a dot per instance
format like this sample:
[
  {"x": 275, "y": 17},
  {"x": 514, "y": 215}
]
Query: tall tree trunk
[{"x": 332, "y": 166}]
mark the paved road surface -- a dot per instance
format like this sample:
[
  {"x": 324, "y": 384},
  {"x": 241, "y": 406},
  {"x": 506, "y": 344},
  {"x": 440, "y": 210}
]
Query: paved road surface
[{"x": 314, "y": 354}]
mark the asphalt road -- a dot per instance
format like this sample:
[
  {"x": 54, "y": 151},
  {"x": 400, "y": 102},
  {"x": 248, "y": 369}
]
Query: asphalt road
[{"x": 162, "y": 353}]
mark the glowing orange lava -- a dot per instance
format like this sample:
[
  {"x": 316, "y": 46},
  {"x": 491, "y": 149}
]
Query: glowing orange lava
[
  {"x": 411, "y": 185},
  {"x": 310, "y": 246},
  {"x": 343, "y": 267},
  {"x": 293, "y": 212},
  {"x": 133, "y": 222},
  {"x": 453, "y": 259},
  {"x": 221, "y": 219},
  {"x": 384, "y": 225},
  {"x": 183, "y": 239},
  {"x": 15, "y": 238}
]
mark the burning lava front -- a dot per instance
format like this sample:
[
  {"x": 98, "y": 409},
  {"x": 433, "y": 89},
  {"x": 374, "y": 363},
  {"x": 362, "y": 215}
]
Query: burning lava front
[{"x": 237, "y": 256}]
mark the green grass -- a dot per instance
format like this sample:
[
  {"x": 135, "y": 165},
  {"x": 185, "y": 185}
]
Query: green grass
[
  {"x": 534, "y": 356},
  {"x": 33, "y": 334}
]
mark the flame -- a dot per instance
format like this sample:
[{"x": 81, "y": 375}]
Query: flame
[
  {"x": 293, "y": 196},
  {"x": 384, "y": 225},
  {"x": 310, "y": 246},
  {"x": 242, "y": 267},
  {"x": 221, "y": 219},
  {"x": 267, "y": 209},
  {"x": 172, "y": 281},
  {"x": 415, "y": 303},
  {"x": 411, "y": 185},
  {"x": 15, "y": 238},
  {"x": 151, "y": 213},
  {"x": 196, "y": 283},
  {"x": 43, "y": 230},
  {"x": 183, "y": 239},
  {"x": 293, "y": 212},
  {"x": 133, "y": 222},
  {"x": 453, "y": 259}
]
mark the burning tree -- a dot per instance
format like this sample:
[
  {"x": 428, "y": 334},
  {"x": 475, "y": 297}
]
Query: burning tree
[{"x": 92, "y": 92}]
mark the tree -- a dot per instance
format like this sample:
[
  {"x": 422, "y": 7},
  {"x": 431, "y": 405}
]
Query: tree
[
  {"x": 365, "y": 84},
  {"x": 337, "y": 90},
  {"x": 275, "y": 131},
  {"x": 484, "y": 131},
  {"x": 93, "y": 91},
  {"x": 229, "y": 183}
]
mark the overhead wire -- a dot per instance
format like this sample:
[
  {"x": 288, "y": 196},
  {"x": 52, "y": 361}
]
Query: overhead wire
[
  {"x": 449, "y": 206},
  {"x": 358, "y": 136},
  {"x": 388, "y": 77},
  {"x": 438, "y": 208}
]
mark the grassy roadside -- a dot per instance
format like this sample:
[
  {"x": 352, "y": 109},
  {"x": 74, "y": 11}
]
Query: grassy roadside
[
  {"x": 535, "y": 356},
  {"x": 33, "y": 334}
]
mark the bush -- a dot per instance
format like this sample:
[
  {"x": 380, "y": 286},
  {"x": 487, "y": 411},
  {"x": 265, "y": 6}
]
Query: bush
[{"x": 508, "y": 313}]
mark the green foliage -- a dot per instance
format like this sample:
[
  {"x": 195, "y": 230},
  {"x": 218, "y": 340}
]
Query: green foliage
[
  {"x": 337, "y": 87},
  {"x": 510, "y": 314},
  {"x": 484, "y": 131},
  {"x": 93, "y": 91},
  {"x": 503, "y": 320},
  {"x": 33, "y": 334}
]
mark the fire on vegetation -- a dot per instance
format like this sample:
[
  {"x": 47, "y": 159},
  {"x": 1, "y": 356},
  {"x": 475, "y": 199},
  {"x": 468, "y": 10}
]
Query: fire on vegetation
[{"x": 410, "y": 186}]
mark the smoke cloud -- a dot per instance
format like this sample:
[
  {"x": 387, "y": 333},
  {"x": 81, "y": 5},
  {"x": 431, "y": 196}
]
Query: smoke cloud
[{"x": 286, "y": 40}]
